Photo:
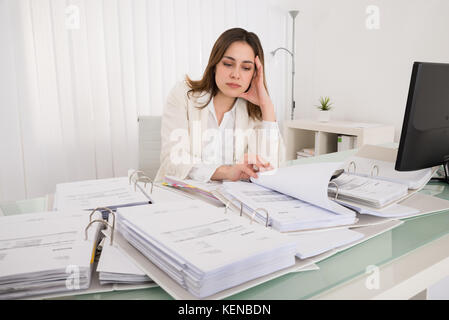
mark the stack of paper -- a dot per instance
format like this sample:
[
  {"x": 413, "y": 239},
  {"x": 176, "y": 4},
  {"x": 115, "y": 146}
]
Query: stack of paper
[
  {"x": 305, "y": 153},
  {"x": 42, "y": 253},
  {"x": 115, "y": 267},
  {"x": 90, "y": 194},
  {"x": 345, "y": 142},
  {"x": 380, "y": 162},
  {"x": 306, "y": 182},
  {"x": 201, "y": 248},
  {"x": 285, "y": 213},
  {"x": 368, "y": 191},
  {"x": 313, "y": 243}
]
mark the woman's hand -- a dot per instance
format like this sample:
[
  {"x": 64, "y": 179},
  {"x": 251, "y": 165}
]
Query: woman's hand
[
  {"x": 258, "y": 95},
  {"x": 242, "y": 171}
]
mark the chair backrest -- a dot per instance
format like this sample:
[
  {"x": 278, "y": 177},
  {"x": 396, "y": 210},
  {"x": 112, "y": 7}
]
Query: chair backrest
[{"x": 149, "y": 144}]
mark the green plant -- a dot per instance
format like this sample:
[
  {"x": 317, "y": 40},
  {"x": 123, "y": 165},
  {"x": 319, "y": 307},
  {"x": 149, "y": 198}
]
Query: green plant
[{"x": 325, "y": 104}]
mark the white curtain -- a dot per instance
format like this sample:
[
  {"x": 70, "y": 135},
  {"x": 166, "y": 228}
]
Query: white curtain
[{"x": 75, "y": 75}]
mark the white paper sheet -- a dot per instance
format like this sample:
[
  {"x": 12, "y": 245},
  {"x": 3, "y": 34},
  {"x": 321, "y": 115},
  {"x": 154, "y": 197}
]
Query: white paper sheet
[
  {"x": 310, "y": 244},
  {"x": 90, "y": 194},
  {"x": 285, "y": 212},
  {"x": 39, "y": 251},
  {"x": 373, "y": 192},
  {"x": 202, "y": 248},
  {"x": 392, "y": 211},
  {"x": 308, "y": 182},
  {"x": 386, "y": 171}
]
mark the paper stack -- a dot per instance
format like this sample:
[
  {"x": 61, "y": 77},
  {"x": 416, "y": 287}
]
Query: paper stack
[
  {"x": 114, "y": 267},
  {"x": 204, "y": 250},
  {"x": 285, "y": 213},
  {"x": 90, "y": 194},
  {"x": 385, "y": 170},
  {"x": 305, "y": 153},
  {"x": 345, "y": 142},
  {"x": 366, "y": 190},
  {"x": 45, "y": 252},
  {"x": 313, "y": 243}
]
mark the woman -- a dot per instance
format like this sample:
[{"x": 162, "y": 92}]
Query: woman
[{"x": 222, "y": 127}]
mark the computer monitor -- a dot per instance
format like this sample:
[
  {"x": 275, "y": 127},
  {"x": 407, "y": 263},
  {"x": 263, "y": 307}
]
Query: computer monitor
[{"x": 424, "y": 139}]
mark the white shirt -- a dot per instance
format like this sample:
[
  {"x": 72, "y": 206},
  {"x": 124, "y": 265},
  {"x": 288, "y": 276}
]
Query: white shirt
[{"x": 218, "y": 144}]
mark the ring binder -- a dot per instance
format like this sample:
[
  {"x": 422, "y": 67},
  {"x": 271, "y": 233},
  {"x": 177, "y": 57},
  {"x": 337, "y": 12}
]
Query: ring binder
[
  {"x": 266, "y": 212},
  {"x": 102, "y": 209},
  {"x": 375, "y": 166},
  {"x": 144, "y": 178},
  {"x": 336, "y": 186},
  {"x": 349, "y": 166},
  {"x": 135, "y": 172},
  {"x": 227, "y": 206},
  {"x": 103, "y": 222},
  {"x": 253, "y": 215}
]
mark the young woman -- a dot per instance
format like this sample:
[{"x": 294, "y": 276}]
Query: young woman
[{"x": 222, "y": 127}]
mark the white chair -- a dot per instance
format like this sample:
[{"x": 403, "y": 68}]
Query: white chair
[{"x": 149, "y": 144}]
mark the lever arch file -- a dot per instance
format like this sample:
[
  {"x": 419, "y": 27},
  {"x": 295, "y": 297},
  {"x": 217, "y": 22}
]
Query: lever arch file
[
  {"x": 201, "y": 249},
  {"x": 115, "y": 268},
  {"x": 47, "y": 252},
  {"x": 371, "y": 180},
  {"x": 112, "y": 193},
  {"x": 368, "y": 191},
  {"x": 182, "y": 272},
  {"x": 378, "y": 162},
  {"x": 282, "y": 212}
]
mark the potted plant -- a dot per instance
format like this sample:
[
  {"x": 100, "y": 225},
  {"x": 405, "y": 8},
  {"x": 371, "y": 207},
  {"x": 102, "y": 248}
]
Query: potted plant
[{"x": 324, "y": 109}]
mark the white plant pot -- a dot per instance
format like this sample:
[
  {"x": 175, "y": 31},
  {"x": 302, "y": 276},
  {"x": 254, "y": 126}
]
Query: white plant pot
[{"x": 324, "y": 116}]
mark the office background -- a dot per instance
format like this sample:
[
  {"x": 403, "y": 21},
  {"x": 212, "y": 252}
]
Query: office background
[
  {"x": 74, "y": 75},
  {"x": 78, "y": 73}
]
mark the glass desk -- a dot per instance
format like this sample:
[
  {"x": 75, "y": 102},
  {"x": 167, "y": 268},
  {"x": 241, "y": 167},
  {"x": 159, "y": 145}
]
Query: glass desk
[{"x": 405, "y": 260}]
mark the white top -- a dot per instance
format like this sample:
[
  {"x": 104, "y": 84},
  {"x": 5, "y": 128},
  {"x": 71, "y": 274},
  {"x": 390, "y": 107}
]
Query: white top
[{"x": 218, "y": 147}]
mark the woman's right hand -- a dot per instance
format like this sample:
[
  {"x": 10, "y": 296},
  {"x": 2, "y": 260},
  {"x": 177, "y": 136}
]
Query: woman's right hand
[
  {"x": 242, "y": 171},
  {"x": 238, "y": 172}
]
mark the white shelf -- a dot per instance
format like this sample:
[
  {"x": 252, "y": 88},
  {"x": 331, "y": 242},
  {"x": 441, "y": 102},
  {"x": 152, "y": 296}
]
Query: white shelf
[{"x": 299, "y": 134}]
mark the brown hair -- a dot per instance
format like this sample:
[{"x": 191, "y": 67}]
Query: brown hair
[{"x": 207, "y": 83}]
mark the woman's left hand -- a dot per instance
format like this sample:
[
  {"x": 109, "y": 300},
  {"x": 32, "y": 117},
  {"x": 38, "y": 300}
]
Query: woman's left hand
[{"x": 257, "y": 94}]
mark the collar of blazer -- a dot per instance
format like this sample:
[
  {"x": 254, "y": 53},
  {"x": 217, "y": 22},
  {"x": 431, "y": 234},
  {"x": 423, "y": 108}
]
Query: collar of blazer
[
  {"x": 242, "y": 120},
  {"x": 241, "y": 112}
]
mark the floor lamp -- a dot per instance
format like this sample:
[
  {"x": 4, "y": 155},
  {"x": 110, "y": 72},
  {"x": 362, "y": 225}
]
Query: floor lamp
[{"x": 293, "y": 14}]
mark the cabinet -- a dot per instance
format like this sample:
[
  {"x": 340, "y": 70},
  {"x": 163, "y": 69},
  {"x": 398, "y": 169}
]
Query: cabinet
[{"x": 322, "y": 136}]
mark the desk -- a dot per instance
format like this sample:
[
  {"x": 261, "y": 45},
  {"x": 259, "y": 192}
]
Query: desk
[{"x": 410, "y": 258}]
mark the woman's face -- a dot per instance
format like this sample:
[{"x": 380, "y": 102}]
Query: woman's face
[{"x": 233, "y": 74}]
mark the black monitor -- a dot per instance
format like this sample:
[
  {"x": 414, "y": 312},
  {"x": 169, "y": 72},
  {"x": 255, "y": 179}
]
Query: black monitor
[{"x": 424, "y": 139}]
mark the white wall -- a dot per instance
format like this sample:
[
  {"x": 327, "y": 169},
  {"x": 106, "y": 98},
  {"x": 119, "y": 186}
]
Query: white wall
[{"x": 366, "y": 72}]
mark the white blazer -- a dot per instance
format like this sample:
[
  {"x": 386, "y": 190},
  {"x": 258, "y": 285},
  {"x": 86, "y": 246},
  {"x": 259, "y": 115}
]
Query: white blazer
[{"x": 183, "y": 124}]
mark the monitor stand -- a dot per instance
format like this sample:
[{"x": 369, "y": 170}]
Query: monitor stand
[{"x": 446, "y": 171}]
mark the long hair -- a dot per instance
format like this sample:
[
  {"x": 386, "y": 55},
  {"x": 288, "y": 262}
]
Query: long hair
[{"x": 207, "y": 83}]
